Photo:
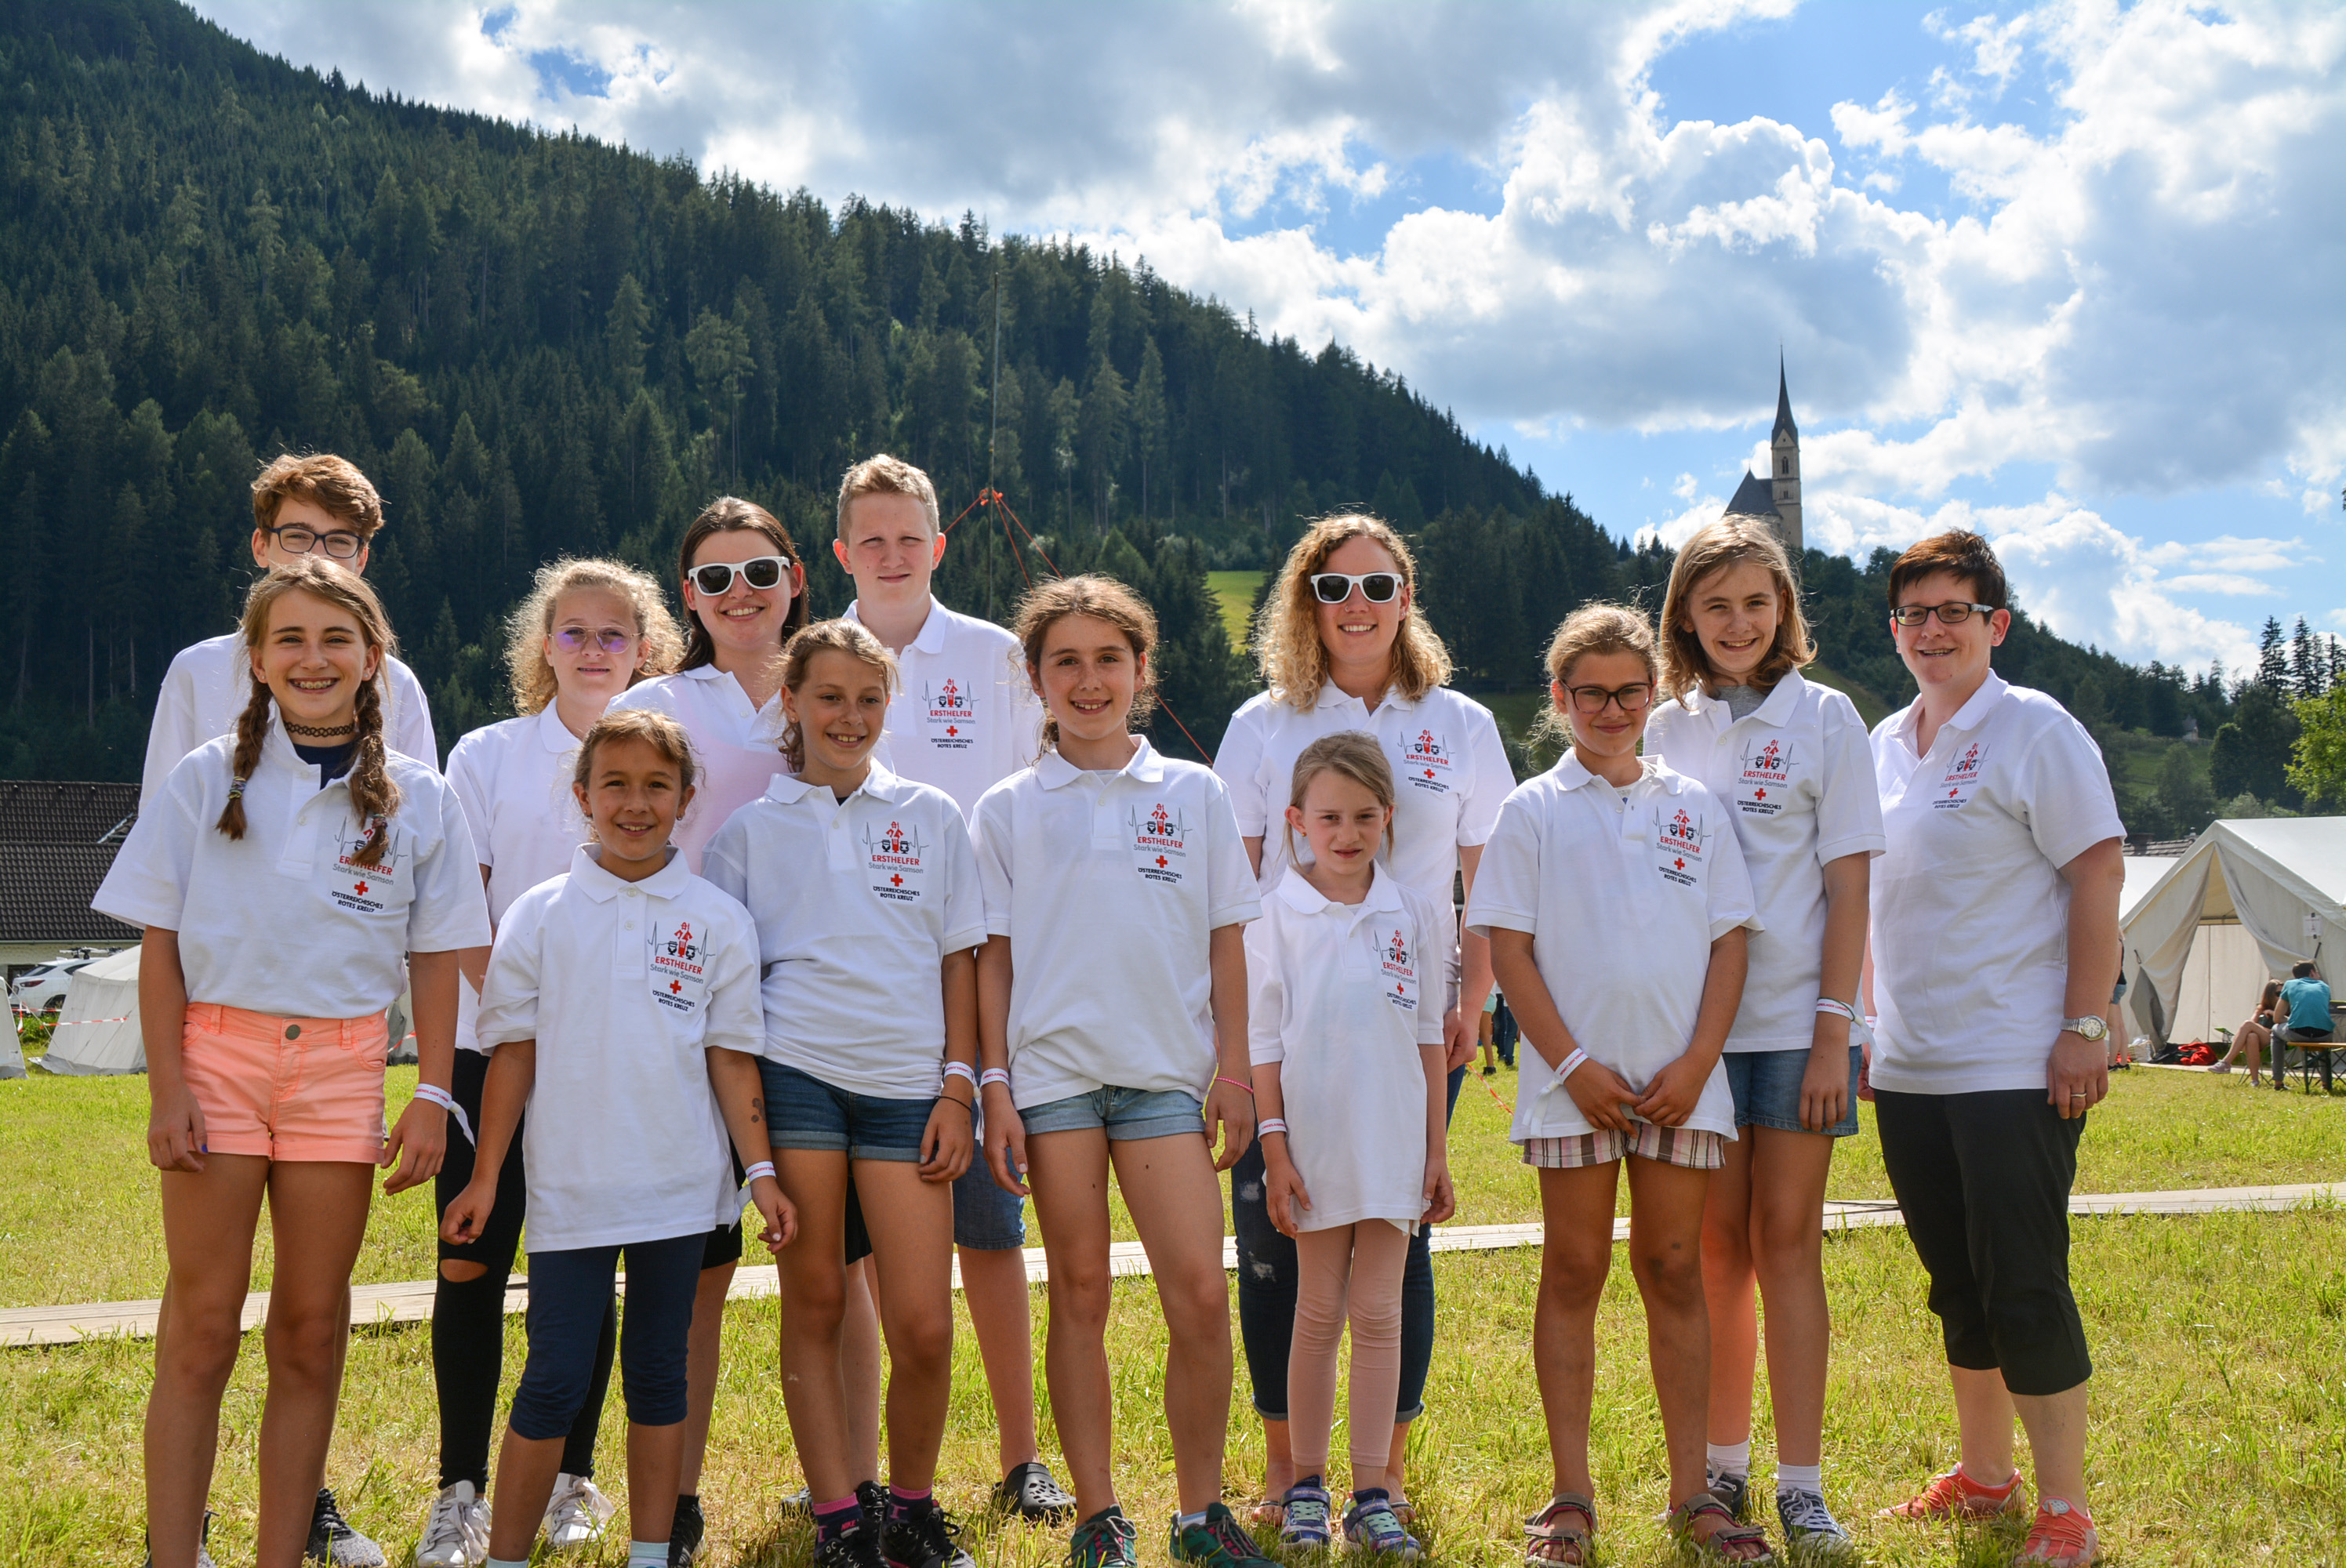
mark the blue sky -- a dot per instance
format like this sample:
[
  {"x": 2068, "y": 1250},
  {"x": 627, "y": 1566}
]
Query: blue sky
[{"x": 2068, "y": 274}]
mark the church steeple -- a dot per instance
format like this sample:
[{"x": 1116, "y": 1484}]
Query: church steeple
[
  {"x": 1784, "y": 425},
  {"x": 1784, "y": 455}
]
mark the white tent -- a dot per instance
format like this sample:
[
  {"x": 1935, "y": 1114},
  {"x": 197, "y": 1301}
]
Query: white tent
[
  {"x": 11, "y": 1053},
  {"x": 2249, "y": 899},
  {"x": 98, "y": 1028}
]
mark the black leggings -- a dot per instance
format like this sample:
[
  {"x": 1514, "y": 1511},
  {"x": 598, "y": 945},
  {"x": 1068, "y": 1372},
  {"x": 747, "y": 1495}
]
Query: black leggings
[
  {"x": 1984, "y": 1182},
  {"x": 468, "y": 1317}
]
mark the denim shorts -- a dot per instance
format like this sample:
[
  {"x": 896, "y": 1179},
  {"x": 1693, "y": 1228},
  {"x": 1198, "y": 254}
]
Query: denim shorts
[
  {"x": 1767, "y": 1089},
  {"x": 802, "y": 1112},
  {"x": 1125, "y": 1114}
]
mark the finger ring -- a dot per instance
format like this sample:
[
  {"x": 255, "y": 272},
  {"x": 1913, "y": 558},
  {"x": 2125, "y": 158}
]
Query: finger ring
[{"x": 2076, "y": 1094}]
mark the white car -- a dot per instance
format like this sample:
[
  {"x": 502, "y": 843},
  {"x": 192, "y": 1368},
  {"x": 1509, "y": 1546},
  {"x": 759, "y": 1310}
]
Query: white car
[{"x": 42, "y": 988}]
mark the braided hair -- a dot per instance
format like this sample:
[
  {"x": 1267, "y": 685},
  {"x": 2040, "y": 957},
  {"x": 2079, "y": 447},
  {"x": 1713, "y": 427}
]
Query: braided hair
[{"x": 374, "y": 795}]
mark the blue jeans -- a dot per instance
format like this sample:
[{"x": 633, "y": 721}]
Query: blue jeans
[{"x": 1267, "y": 1278}]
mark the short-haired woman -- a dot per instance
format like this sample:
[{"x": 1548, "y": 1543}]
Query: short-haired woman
[{"x": 1994, "y": 924}]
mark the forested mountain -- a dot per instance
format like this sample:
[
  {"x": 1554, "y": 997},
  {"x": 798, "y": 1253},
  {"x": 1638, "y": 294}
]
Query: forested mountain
[{"x": 539, "y": 344}]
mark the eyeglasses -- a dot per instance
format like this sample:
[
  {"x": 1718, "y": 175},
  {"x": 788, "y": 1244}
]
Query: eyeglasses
[
  {"x": 296, "y": 540},
  {"x": 761, "y": 572},
  {"x": 610, "y": 639},
  {"x": 1335, "y": 588},
  {"x": 1636, "y": 698},
  {"x": 1954, "y": 613}
]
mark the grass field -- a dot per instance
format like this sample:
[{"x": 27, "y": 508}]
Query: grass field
[
  {"x": 1234, "y": 592},
  {"x": 2219, "y": 1395}
]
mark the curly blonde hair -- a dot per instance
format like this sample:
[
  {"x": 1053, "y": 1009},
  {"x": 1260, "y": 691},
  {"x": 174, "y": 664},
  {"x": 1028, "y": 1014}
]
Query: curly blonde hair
[
  {"x": 1731, "y": 541},
  {"x": 532, "y": 622},
  {"x": 853, "y": 638},
  {"x": 1287, "y": 635}
]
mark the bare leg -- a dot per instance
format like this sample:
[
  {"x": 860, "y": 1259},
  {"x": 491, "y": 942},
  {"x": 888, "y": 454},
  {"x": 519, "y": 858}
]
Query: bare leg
[
  {"x": 526, "y": 1471},
  {"x": 703, "y": 1357},
  {"x": 317, "y": 1216},
  {"x": 859, "y": 1368},
  {"x": 655, "y": 1459},
  {"x": 993, "y": 1284},
  {"x": 1983, "y": 1413},
  {"x": 1175, "y": 1201},
  {"x": 1068, "y": 1173},
  {"x": 208, "y": 1220},
  {"x": 1729, "y": 1235},
  {"x": 1576, "y": 1211},
  {"x": 1788, "y": 1202},
  {"x": 2056, "y": 1442},
  {"x": 911, "y": 1235},
  {"x": 1666, "y": 1204},
  {"x": 814, "y": 1286}
]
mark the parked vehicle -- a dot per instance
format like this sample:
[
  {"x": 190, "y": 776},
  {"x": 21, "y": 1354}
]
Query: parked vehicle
[{"x": 42, "y": 988}]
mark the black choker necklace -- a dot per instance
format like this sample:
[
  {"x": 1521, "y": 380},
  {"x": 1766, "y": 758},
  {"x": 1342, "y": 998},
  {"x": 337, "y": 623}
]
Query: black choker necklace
[{"x": 350, "y": 729}]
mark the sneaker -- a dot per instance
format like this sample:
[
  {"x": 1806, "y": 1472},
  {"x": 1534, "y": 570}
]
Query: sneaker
[
  {"x": 1029, "y": 1492},
  {"x": 1956, "y": 1495},
  {"x": 203, "y": 1555},
  {"x": 1733, "y": 1491},
  {"x": 800, "y": 1501},
  {"x": 1304, "y": 1523},
  {"x": 926, "y": 1537},
  {"x": 576, "y": 1512},
  {"x": 2221, "y": 1067},
  {"x": 684, "y": 1536},
  {"x": 853, "y": 1547},
  {"x": 1804, "y": 1516},
  {"x": 333, "y": 1541},
  {"x": 2061, "y": 1537},
  {"x": 1372, "y": 1526},
  {"x": 872, "y": 1498},
  {"x": 1221, "y": 1541},
  {"x": 456, "y": 1530},
  {"x": 1105, "y": 1540}
]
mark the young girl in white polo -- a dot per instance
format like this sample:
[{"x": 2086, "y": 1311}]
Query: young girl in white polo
[
  {"x": 1616, "y": 898},
  {"x": 284, "y": 874},
  {"x": 869, "y": 915},
  {"x": 1791, "y": 763},
  {"x": 1112, "y": 1019},
  {"x": 621, "y": 1008},
  {"x": 1345, "y": 978},
  {"x": 586, "y": 632}
]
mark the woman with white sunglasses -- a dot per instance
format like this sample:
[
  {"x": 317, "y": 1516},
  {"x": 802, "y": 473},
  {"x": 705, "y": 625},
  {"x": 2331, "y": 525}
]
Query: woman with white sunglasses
[{"x": 1344, "y": 648}]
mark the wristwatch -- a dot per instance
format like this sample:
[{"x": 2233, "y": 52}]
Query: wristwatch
[{"x": 2087, "y": 1028}]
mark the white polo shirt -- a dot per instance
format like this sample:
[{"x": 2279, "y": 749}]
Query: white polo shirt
[
  {"x": 1623, "y": 893},
  {"x": 737, "y": 744},
  {"x": 280, "y": 922},
  {"x": 1797, "y": 778},
  {"x": 1971, "y": 912},
  {"x": 1110, "y": 888},
  {"x": 1450, "y": 769},
  {"x": 1342, "y": 996},
  {"x": 965, "y": 718},
  {"x": 857, "y": 902},
  {"x": 625, "y": 986},
  {"x": 209, "y": 683},
  {"x": 513, "y": 779}
]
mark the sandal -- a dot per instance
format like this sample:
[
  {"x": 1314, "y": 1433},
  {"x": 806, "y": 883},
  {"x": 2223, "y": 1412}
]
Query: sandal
[
  {"x": 1736, "y": 1543},
  {"x": 1548, "y": 1542},
  {"x": 1270, "y": 1513}
]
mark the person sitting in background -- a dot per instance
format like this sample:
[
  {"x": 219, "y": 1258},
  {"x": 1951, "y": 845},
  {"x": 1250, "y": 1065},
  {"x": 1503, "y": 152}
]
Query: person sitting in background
[
  {"x": 2305, "y": 997},
  {"x": 2253, "y": 1035}
]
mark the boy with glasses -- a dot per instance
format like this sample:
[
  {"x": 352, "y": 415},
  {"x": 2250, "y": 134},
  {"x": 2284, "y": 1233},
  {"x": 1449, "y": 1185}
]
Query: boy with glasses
[{"x": 321, "y": 506}]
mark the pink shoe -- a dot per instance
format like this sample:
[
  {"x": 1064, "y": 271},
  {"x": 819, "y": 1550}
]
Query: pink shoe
[
  {"x": 2062, "y": 1537},
  {"x": 1956, "y": 1495}
]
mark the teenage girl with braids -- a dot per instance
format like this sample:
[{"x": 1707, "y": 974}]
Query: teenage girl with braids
[{"x": 282, "y": 875}]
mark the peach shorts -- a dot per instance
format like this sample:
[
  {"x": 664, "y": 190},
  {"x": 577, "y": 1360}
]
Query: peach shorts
[{"x": 286, "y": 1088}]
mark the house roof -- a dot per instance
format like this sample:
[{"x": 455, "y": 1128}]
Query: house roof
[
  {"x": 1753, "y": 498},
  {"x": 1784, "y": 425},
  {"x": 53, "y": 811},
  {"x": 46, "y": 889}
]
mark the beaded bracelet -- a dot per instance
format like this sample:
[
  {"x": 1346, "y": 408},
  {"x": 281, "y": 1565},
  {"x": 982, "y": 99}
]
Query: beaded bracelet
[{"x": 1233, "y": 1082}]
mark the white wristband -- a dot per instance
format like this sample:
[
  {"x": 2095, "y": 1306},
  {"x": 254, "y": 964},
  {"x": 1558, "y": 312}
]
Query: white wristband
[
  {"x": 961, "y": 1070},
  {"x": 1572, "y": 1063},
  {"x": 763, "y": 1168},
  {"x": 1837, "y": 1009},
  {"x": 1269, "y": 1125},
  {"x": 432, "y": 1094},
  {"x": 994, "y": 1076}
]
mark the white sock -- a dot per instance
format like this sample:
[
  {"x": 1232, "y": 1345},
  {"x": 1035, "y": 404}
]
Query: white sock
[
  {"x": 646, "y": 1554},
  {"x": 1800, "y": 1478},
  {"x": 505, "y": 1562},
  {"x": 1730, "y": 1459},
  {"x": 1184, "y": 1520}
]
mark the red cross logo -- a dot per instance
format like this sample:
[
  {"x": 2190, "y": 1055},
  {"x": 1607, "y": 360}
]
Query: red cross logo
[
  {"x": 1429, "y": 773},
  {"x": 1399, "y": 989},
  {"x": 359, "y": 890},
  {"x": 1951, "y": 795},
  {"x": 1759, "y": 794},
  {"x": 896, "y": 881},
  {"x": 952, "y": 729},
  {"x": 1680, "y": 864},
  {"x": 1160, "y": 862},
  {"x": 676, "y": 988}
]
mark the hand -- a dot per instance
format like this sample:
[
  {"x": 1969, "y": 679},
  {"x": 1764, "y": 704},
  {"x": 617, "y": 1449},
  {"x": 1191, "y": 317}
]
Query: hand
[
  {"x": 1865, "y": 1071},
  {"x": 467, "y": 1213},
  {"x": 1282, "y": 1189},
  {"x": 175, "y": 1129},
  {"x": 947, "y": 1141},
  {"x": 1600, "y": 1092},
  {"x": 1671, "y": 1098},
  {"x": 1461, "y": 1037},
  {"x": 1441, "y": 1198},
  {"x": 1230, "y": 1109},
  {"x": 1006, "y": 1141},
  {"x": 1824, "y": 1088},
  {"x": 418, "y": 1144},
  {"x": 2076, "y": 1076},
  {"x": 782, "y": 1217}
]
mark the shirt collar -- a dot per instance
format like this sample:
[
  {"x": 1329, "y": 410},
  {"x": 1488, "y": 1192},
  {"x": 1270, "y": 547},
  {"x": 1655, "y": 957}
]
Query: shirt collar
[
  {"x": 789, "y": 788},
  {"x": 588, "y": 875},
  {"x": 1332, "y": 695},
  {"x": 1052, "y": 770},
  {"x": 277, "y": 753},
  {"x": 1775, "y": 708},
  {"x": 932, "y": 639},
  {"x": 552, "y": 733},
  {"x": 1572, "y": 775},
  {"x": 1384, "y": 893},
  {"x": 1968, "y": 717}
]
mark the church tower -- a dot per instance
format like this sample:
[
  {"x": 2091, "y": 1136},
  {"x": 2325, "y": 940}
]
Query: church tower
[{"x": 1785, "y": 455}]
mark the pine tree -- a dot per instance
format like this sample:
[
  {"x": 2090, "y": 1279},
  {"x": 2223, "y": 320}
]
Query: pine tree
[{"x": 2272, "y": 658}]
